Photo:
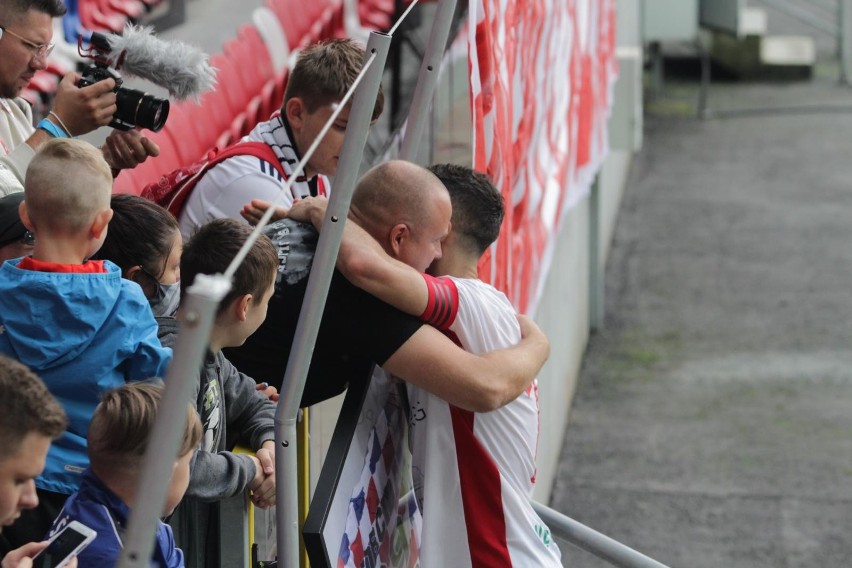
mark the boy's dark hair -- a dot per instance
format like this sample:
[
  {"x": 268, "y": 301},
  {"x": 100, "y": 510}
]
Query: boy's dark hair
[
  {"x": 324, "y": 72},
  {"x": 141, "y": 233},
  {"x": 214, "y": 246},
  {"x": 122, "y": 424},
  {"x": 11, "y": 10},
  {"x": 25, "y": 406},
  {"x": 478, "y": 207}
]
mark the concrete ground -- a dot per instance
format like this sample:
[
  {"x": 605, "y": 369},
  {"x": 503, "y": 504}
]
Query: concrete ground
[{"x": 712, "y": 425}]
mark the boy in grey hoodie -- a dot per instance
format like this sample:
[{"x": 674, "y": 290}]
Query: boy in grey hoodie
[{"x": 232, "y": 410}]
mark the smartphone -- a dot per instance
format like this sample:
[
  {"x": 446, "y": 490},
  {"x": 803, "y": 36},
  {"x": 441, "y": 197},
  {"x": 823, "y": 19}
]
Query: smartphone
[{"x": 64, "y": 546}]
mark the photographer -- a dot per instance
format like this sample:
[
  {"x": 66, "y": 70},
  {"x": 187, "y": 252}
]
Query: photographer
[{"x": 26, "y": 31}]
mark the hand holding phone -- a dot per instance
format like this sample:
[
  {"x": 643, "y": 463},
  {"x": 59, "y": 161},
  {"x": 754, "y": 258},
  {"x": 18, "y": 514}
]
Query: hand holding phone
[{"x": 64, "y": 546}]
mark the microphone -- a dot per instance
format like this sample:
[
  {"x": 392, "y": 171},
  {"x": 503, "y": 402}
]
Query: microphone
[{"x": 177, "y": 66}]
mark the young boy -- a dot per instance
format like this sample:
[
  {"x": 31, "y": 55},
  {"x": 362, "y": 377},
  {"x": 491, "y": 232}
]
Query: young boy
[
  {"x": 76, "y": 323},
  {"x": 30, "y": 418},
  {"x": 467, "y": 465},
  {"x": 321, "y": 77},
  {"x": 118, "y": 437},
  {"x": 228, "y": 401}
]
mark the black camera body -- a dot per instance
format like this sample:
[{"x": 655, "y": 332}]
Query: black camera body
[{"x": 135, "y": 108}]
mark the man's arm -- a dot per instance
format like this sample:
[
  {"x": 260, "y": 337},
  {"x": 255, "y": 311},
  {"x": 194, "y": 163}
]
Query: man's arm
[
  {"x": 479, "y": 383},
  {"x": 365, "y": 263}
]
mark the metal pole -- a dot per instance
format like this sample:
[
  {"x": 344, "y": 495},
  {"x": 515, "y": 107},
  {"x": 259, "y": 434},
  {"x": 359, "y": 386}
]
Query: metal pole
[
  {"x": 592, "y": 541},
  {"x": 419, "y": 113},
  {"x": 845, "y": 40},
  {"x": 286, "y": 462},
  {"x": 196, "y": 320},
  {"x": 596, "y": 272}
]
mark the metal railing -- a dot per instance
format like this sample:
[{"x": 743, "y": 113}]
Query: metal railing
[{"x": 592, "y": 541}]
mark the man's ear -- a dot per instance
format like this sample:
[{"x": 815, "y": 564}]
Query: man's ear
[
  {"x": 100, "y": 223},
  {"x": 241, "y": 305},
  {"x": 295, "y": 110},
  {"x": 397, "y": 236}
]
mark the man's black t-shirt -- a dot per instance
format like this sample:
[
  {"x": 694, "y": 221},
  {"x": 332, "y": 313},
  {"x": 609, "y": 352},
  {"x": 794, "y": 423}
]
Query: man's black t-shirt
[{"x": 356, "y": 331}]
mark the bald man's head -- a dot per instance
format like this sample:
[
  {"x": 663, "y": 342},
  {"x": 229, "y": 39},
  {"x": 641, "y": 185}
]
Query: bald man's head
[{"x": 406, "y": 208}]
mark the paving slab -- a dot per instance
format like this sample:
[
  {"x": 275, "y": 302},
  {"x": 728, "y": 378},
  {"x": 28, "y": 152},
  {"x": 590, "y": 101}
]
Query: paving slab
[{"x": 711, "y": 425}]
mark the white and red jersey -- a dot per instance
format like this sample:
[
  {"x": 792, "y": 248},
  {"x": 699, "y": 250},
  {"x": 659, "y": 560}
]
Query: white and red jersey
[{"x": 474, "y": 472}]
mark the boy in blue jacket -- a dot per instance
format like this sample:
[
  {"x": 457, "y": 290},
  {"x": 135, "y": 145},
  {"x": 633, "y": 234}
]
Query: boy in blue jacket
[
  {"x": 75, "y": 322},
  {"x": 118, "y": 436}
]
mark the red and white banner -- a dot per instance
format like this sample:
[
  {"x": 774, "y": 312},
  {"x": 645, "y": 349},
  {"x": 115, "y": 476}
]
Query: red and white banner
[{"x": 541, "y": 75}]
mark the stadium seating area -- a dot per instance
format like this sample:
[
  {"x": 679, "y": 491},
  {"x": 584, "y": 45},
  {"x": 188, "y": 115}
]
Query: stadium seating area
[{"x": 244, "y": 95}]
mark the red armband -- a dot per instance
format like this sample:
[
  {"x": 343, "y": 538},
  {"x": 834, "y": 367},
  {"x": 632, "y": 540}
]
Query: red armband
[{"x": 443, "y": 303}]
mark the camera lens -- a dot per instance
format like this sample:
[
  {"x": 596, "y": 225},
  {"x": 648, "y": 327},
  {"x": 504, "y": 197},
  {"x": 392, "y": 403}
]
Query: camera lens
[{"x": 141, "y": 109}]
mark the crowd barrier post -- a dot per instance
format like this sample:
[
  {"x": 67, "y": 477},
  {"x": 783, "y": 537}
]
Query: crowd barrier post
[
  {"x": 286, "y": 452},
  {"x": 845, "y": 40},
  {"x": 430, "y": 69},
  {"x": 196, "y": 320},
  {"x": 597, "y": 273},
  {"x": 592, "y": 541}
]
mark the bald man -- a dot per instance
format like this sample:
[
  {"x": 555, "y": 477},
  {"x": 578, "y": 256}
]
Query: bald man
[{"x": 407, "y": 209}]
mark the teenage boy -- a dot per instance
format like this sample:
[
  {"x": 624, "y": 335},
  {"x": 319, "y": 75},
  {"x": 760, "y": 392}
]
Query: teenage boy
[
  {"x": 230, "y": 406},
  {"x": 30, "y": 419},
  {"x": 75, "y": 322},
  {"x": 119, "y": 435},
  {"x": 467, "y": 466},
  {"x": 321, "y": 77}
]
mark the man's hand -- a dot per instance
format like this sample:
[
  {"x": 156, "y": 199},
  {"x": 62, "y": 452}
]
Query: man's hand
[
  {"x": 531, "y": 333},
  {"x": 263, "y": 484},
  {"x": 309, "y": 210},
  {"x": 123, "y": 150},
  {"x": 22, "y": 557},
  {"x": 84, "y": 109},
  {"x": 254, "y": 210}
]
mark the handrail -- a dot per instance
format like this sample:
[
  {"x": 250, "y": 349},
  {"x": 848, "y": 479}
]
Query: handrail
[
  {"x": 196, "y": 321},
  {"x": 592, "y": 541},
  {"x": 286, "y": 470}
]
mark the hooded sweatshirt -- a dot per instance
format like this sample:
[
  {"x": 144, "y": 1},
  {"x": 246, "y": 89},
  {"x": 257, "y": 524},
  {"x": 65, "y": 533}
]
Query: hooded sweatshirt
[
  {"x": 83, "y": 334},
  {"x": 232, "y": 411}
]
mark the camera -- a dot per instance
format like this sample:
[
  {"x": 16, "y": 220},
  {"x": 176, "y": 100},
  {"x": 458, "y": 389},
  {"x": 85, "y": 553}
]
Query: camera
[{"x": 135, "y": 108}]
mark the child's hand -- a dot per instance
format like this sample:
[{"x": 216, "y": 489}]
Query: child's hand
[
  {"x": 263, "y": 484},
  {"x": 269, "y": 392}
]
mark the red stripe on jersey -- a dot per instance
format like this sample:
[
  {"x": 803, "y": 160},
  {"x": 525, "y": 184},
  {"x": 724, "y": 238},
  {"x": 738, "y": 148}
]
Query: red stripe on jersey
[
  {"x": 442, "y": 305},
  {"x": 481, "y": 496}
]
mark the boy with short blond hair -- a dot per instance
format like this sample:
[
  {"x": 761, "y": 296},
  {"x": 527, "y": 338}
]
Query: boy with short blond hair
[
  {"x": 75, "y": 322},
  {"x": 119, "y": 435},
  {"x": 231, "y": 407}
]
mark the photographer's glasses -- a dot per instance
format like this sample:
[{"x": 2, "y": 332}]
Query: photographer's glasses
[{"x": 38, "y": 51}]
